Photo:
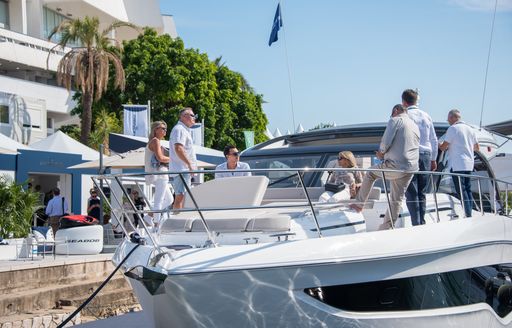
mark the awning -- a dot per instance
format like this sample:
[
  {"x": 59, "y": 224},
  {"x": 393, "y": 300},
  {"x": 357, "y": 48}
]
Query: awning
[{"x": 132, "y": 159}]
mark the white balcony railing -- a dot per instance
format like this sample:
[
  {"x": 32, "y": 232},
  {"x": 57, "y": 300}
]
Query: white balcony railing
[{"x": 27, "y": 50}]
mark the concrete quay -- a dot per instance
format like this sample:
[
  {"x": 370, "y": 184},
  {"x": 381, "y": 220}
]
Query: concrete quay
[{"x": 42, "y": 292}]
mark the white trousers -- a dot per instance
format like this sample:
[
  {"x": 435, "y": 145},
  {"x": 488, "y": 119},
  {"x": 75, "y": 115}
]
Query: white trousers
[{"x": 162, "y": 199}]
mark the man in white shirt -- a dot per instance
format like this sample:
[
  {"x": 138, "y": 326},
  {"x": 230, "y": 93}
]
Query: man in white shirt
[
  {"x": 460, "y": 142},
  {"x": 56, "y": 208},
  {"x": 182, "y": 154},
  {"x": 232, "y": 164},
  {"x": 399, "y": 150},
  {"x": 415, "y": 194}
]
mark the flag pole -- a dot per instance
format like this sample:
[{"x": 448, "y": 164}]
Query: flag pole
[
  {"x": 149, "y": 116},
  {"x": 288, "y": 67}
]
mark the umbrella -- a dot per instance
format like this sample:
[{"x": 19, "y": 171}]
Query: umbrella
[{"x": 130, "y": 160}]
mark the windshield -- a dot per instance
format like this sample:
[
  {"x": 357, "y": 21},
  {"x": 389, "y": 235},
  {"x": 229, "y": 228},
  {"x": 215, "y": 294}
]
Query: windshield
[{"x": 285, "y": 179}]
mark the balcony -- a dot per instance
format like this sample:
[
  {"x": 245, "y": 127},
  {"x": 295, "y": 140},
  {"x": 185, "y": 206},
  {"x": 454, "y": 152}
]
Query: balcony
[
  {"x": 56, "y": 99},
  {"x": 30, "y": 51}
]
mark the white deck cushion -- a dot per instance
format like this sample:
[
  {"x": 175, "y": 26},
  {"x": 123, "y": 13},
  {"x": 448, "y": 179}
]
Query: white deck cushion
[{"x": 229, "y": 192}]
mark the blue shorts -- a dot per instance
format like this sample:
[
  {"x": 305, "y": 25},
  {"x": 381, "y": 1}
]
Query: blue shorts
[{"x": 177, "y": 184}]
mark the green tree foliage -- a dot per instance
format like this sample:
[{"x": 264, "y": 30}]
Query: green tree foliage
[
  {"x": 104, "y": 123},
  {"x": 160, "y": 69},
  {"x": 17, "y": 206}
]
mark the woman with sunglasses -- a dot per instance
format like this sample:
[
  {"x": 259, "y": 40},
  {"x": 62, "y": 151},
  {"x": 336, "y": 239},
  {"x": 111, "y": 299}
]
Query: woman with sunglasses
[
  {"x": 156, "y": 160},
  {"x": 351, "y": 180},
  {"x": 232, "y": 164}
]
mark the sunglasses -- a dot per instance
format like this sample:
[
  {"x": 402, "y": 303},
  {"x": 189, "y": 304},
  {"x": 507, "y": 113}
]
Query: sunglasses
[
  {"x": 235, "y": 154},
  {"x": 194, "y": 116},
  {"x": 165, "y": 129},
  {"x": 340, "y": 158}
]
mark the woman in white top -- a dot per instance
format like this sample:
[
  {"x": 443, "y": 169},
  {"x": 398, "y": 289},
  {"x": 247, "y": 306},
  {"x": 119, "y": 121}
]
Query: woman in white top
[
  {"x": 157, "y": 161},
  {"x": 352, "y": 180}
]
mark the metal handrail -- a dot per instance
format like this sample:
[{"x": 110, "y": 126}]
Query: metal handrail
[{"x": 120, "y": 178}]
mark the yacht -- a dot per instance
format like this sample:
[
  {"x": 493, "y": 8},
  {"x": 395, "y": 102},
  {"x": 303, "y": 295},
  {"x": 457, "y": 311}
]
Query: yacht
[{"x": 261, "y": 251}]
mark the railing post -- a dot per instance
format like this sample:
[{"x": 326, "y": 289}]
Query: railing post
[
  {"x": 494, "y": 189},
  {"x": 210, "y": 236},
  {"x": 506, "y": 198},
  {"x": 120, "y": 204},
  {"x": 480, "y": 196},
  {"x": 141, "y": 220},
  {"x": 461, "y": 196},
  {"x": 310, "y": 204},
  {"x": 435, "y": 196},
  {"x": 389, "y": 203}
]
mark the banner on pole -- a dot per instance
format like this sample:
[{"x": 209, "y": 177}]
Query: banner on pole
[
  {"x": 136, "y": 120},
  {"x": 249, "y": 139}
]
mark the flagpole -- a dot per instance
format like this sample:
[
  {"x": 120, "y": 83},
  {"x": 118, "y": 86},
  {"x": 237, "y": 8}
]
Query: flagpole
[
  {"x": 288, "y": 67},
  {"x": 149, "y": 116}
]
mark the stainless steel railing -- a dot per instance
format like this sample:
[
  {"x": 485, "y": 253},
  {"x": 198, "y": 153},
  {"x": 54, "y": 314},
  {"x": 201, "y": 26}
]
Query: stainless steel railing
[{"x": 497, "y": 205}]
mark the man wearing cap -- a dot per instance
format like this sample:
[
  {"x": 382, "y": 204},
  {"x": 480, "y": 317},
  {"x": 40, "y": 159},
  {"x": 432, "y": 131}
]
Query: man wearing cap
[
  {"x": 232, "y": 164},
  {"x": 399, "y": 151},
  {"x": 182, "y": 154},
  {"x": 415, "y": 194}
]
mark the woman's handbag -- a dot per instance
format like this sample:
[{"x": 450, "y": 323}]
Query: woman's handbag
[{"x": 333, "y": 187}]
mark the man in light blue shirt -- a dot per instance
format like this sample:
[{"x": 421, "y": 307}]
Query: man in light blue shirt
[
  {"x": 232, "y": 164},
  {"x": 415, "y": 194},
  {"x": 57, "y": 207}
]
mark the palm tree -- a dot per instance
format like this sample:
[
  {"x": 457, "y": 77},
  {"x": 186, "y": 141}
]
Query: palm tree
[{"x": 89, "y": 63}]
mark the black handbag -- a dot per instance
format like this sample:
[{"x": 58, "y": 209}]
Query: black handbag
[{"x": 333, "y": 187}]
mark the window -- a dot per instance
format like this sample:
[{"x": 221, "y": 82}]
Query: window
[
  {"x": 4, "y": 14},
  {"x": 51, "y": 20},
  {"x": 490, "y": 284},
  {"x": 284, "y": 179},
  {"x": 4, "y": 114}
]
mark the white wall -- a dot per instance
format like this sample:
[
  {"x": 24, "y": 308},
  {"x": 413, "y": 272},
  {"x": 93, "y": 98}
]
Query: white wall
[{"x": 9, "y": 174}]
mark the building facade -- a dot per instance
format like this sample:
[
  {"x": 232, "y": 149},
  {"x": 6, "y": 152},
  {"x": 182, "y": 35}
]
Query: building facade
[{"x": 32, "y": 105}]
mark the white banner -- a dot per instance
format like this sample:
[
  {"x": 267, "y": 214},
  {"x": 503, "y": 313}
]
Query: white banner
[{"x": 136, "y": 120}]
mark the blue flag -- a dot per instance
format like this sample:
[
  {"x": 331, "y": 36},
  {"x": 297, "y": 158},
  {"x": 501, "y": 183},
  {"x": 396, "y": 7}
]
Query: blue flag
[{"x": 278, "y": 22}]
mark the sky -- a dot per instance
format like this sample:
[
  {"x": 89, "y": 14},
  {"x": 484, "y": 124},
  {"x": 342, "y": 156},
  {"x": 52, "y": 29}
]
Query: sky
[{"x": 350, "y": 60}]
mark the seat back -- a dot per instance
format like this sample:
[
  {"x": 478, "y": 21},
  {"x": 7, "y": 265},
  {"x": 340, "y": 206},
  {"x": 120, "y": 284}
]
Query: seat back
[{"x": 229, "y": 192}]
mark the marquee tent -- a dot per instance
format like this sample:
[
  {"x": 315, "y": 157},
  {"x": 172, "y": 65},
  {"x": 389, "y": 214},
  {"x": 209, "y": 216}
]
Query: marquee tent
[{"x": 60, "y": 142}]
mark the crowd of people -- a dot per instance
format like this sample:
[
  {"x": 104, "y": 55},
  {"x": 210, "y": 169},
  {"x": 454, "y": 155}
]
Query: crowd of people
[{"x": 409, "y": 145}]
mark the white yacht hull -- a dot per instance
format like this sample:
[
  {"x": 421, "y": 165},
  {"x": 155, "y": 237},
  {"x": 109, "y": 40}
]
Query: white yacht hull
[{"x": 263, "y": 285}]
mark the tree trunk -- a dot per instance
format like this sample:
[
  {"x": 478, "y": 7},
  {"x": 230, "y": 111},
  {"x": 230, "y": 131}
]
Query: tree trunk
[{"x": 86, "y": 117}]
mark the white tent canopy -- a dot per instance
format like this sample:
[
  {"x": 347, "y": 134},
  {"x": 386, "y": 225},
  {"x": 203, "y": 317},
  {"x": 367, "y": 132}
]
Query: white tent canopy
[
  {"x": 129, "y": 160},
  {"x": 300, "y": 128},
  {"x": 11, "y": 145},
  {"x": 269, "y": 134},
  {"x": 60, "y": 142},
  {"x": 200, "y": 150},
  {"x": 277, "y": 133}
]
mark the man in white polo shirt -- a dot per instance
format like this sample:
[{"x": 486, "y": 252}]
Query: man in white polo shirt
[
  {"x": 461, "y": 142},
  {"x": 182, "y": 155}
]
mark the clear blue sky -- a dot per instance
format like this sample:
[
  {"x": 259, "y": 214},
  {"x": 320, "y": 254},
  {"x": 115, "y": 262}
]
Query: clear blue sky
[{"x": 351, "y": 60}]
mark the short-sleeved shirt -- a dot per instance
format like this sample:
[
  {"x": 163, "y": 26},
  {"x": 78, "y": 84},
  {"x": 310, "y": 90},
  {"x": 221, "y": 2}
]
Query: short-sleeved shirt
[
  {"x": 462, "y": 140},
  {"x": 180, "y": 134},
  {"x": 234, "y": 172}
]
